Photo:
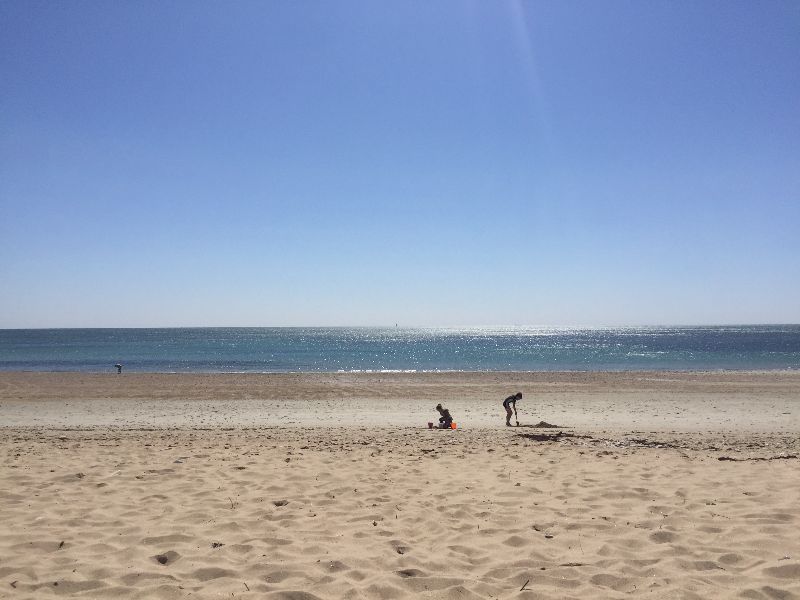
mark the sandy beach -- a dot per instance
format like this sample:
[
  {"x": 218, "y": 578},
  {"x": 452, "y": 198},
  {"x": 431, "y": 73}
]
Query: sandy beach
[{"x": 304, "y": 486}]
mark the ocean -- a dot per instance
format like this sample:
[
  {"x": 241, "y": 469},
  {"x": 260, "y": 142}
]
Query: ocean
[{"x": 353, "y": 349}]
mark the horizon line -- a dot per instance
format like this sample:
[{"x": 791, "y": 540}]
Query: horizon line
[{"x": 396, "y": 326}]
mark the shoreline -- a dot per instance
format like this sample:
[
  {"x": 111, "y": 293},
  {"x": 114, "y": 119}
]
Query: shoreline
[{"x": 403, "y": 371}]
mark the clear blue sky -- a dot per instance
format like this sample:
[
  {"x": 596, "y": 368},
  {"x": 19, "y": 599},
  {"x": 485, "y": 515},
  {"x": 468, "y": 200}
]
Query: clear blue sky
[{"x": 421, "y": 163}]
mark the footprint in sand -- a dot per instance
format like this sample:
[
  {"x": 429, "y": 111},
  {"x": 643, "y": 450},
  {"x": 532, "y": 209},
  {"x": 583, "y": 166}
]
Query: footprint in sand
[
  {"x": 790, "y": 571},
  {"x": 411, "y": 573},
  {"x": 294, "y": 595},
  {"x": 166, "y": 558},
  {"x": 209, "y": 573},
  {"x": 334, "y": 566},
  {"x": 612, "y": 581},
  {"x": 399, "y": 546},
  {"x": 662, "y": 537}
]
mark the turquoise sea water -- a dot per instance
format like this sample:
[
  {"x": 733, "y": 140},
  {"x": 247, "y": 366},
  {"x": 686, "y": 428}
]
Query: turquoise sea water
[{"x": 398, "y": 349}]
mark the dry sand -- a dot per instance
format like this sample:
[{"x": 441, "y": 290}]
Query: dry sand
[{"x": 667, "y": 485}]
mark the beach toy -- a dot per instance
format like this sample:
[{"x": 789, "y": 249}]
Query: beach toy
[{"x": 453, "y": 425}]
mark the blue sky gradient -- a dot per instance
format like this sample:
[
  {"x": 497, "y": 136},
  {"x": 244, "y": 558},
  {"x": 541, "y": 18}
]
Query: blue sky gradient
[{"x": 421, "y": 163}]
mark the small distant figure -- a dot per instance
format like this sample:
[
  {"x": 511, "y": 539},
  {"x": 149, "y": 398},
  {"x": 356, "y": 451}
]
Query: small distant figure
[
  {"x": 507, "y": 404},
  {"x": 118, "y": 367},
  {"x": 445, "y": 420}
]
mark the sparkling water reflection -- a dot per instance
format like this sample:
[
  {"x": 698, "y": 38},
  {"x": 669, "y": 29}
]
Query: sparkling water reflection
[{"x": 397, "y": 349}]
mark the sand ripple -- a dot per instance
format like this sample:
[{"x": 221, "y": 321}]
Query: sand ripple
[{"x": 364, "y": 513}]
